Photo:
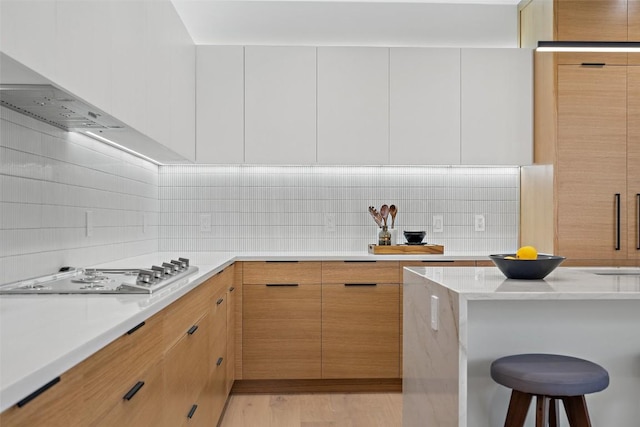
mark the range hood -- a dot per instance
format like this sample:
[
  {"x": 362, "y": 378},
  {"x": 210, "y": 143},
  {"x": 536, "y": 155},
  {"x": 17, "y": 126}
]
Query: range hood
[{"x": 51, "y": 105}]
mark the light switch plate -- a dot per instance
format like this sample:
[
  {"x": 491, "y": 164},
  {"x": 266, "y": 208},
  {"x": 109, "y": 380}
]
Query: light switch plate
[
  {"x": 438, "y": 223},
  {"x": 89, "y": 222},
  {"x": 329, "y": 223},
  {"x": 479, "y": 223},
  {"x": 434, "y": 312},
  {"x": 205, "y": 223}
]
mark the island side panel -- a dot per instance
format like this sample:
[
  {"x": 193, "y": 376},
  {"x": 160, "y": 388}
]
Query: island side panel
[
  {"x": 604, "y": 331},
  {"x": 430, "y": 358}
]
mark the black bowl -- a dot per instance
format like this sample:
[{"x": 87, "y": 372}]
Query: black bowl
[
  {"x": 527, "y": 269},
  {"x": 414, "y": 236}
]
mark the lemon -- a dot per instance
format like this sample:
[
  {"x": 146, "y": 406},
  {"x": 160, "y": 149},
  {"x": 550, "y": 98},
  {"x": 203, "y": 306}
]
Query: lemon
[{"x": 527, "y": 252}]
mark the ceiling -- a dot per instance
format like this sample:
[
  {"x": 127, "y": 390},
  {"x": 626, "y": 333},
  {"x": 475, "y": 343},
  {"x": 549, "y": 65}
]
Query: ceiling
[{"x": 357, "y": 22}]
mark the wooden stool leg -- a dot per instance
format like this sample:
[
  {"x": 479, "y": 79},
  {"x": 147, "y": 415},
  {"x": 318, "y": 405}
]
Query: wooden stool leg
[
  {"x": 541, "y": 410},
  {"x": 553, "y": 412},
  {"x": 576, "y": 408},
  {"x": 518, "y": 408}
]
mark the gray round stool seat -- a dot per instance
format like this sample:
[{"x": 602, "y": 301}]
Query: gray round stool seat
[{"x": 550, "y": 377}]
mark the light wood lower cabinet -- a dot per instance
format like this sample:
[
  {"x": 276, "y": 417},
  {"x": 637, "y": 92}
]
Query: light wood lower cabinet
[
  {"x": 281, "y": 331},
  {"x": 360, "y": 330}
]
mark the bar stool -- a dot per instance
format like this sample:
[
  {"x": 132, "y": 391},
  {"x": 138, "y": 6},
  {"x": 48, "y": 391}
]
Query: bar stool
[{"x": 549, "y": 377}]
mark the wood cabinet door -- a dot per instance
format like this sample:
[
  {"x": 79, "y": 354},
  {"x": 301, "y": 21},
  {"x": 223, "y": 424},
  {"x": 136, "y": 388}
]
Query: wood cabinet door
[
  {"x": 281, "y": 331},
  {"x": 633, "y": 20},
  {"x": 592, "y": 161},
  {"x": 633, "y": 161},
  {"x": 587, "y": 20},
  {"x": 360, "y": 331}
]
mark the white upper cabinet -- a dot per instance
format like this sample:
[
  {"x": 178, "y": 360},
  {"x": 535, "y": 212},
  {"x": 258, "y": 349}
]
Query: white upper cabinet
[
  {"x": 220, "y": 104},
  {"x": 424, "y": 108},
  {"x": 28, "y": 33},
  {"x": 497, "y": 106},
  {"x": 83, "y": 50},
  {"x": 353, "y": 105},
  {"x": 280, "y": 105}
]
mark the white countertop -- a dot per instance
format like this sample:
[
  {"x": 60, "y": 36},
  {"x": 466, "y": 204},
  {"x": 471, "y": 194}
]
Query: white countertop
[
  {"x": 42, "y": 336},
  {"x": 564, "y": 283}
]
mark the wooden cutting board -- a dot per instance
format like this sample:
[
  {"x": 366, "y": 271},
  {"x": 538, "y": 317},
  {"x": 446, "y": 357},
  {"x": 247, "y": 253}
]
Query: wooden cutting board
[{"x": 406, "y": 249}]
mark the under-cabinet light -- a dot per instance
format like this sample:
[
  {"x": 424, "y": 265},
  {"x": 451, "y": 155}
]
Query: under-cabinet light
[
  {"x": 122, "y": 147},
  {"x": 568, "y": 46}
]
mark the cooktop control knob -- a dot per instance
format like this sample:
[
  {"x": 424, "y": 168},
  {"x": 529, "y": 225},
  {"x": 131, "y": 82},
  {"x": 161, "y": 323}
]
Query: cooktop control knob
[
  {"x": 146, "y": 276},
  {"x": 185, "y": 261},
  {"x": 164, "y": 269},
  {"x": 181, "y": 265},
  {"x": 173, "y": 269}
]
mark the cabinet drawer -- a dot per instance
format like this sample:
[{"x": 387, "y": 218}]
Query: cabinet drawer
[
  {"x": 187, "y": 371},
  {"x": 281, "y": 331},
  {"x": 110, "y": 373},
  {"x": 142, "y": 404},
  {"x": 184, "y": 313},
  {"x": 360, "y": 272},
  {"x": 56, "y": 406},
  {"x": 281, "y": 272}
]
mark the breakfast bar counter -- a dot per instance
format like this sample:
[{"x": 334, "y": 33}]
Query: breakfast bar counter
[{"x": 458, "y": 320}]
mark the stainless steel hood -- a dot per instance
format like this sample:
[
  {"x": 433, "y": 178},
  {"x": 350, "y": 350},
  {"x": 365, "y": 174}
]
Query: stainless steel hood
[{"x": 53, "y": 106}]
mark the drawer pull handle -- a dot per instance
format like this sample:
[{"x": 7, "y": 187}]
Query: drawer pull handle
[
  {"x": 593, "y": 64},
  {"x": 220, "y": 301},
  {"x": 38, "y": 392},
  {"x": 192, "y": 329},
  {"x": 282, "y": 284},
  {"x": 133, "y": 390},
  {"x": 617, "y": 204},
  {"x": 135, "y": 328},
  {"x": 361, "y": 284},
  {"x": 219, "y": 361},
  {"x": 231, "y": 289},
  {"x": 192, "y": 411}
]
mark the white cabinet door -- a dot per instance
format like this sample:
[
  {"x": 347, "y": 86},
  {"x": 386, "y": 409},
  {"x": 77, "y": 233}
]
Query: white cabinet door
[
  {"x": 280, "y": 105},
  {"x": 424, "y": 110},
  {"x": 353, "y": 105},
  {"x": 83, "y": 50},
  {"x": 27, "y": 34},
  {"x": 497, "y": 106},
  {"x": 220, "y": 104},
  {"x": 129, "y": 24}
]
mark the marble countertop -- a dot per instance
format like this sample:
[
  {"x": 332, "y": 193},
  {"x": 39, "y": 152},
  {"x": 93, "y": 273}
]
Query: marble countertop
[
  {"x": 565, "y": 283},
  {"x": 42, "y": 336}
]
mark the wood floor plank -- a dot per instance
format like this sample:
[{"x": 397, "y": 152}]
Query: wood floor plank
[{"x": 314, "y": 410}]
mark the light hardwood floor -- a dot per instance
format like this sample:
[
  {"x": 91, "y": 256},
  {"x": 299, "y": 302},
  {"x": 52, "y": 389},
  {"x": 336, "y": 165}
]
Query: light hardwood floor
[{"x": 314, "y": 410}]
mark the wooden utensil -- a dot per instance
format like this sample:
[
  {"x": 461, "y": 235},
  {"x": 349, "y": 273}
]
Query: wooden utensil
[
  {"x": 393, "y": 211},
  {"x": 384, "y": 211},
  {"x": 376, "y": 216}
]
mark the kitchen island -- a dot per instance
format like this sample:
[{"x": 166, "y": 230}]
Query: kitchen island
[{"x": 458, "y": 320}]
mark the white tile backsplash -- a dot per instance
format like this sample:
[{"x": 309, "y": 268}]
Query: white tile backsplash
[
  {"x": 283, "y": 208},
  {"x": 49, "y": 179}
]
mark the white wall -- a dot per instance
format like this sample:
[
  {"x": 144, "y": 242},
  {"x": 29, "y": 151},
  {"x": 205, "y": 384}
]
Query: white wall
[
  {"x": 49, "y": 179},
  {"x": 333, "y": 23},
  {"x": 283, "y": 208}
]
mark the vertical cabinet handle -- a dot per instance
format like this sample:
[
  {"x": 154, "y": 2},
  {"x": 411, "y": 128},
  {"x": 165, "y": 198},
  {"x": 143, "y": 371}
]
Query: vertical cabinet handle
[
  {"x": 192, "y": 329},
  {"x": 617, "y": 203},
  {"x": 638, "y": 221},
  {"x": 220, "y": 301},
  {"x": 192, "y": 411},
  {"x": 219, "y": 361},
  {"x": 133, "y": 390}
]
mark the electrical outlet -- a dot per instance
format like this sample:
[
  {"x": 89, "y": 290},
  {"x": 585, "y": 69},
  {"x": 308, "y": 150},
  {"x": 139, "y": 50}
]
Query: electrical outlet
[
  {"x": 438, "y": 223},
  {"x": 88, "y": 215},
  {"x": 329, "y": 223},
  {"x": 479, "y": 223},
  {"x": 434, "y": 312},
  {"x": 205, "y": 223}
]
